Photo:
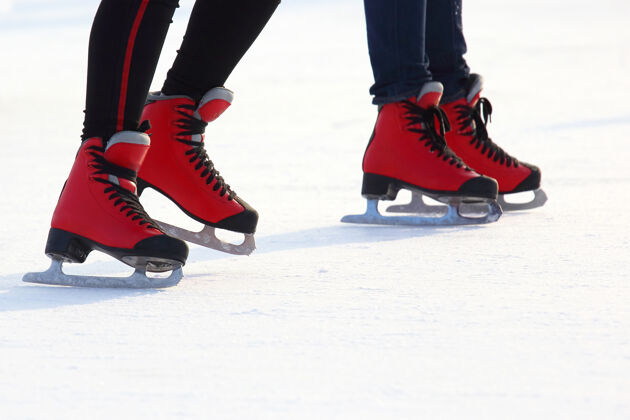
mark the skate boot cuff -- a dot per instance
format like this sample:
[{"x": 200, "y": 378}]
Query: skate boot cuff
[
  {"x": 211, "y": 106},
  {"x": 473, "y": 88},
  {"x": 214, "y": 103},
  {"x": 127, "y": 150},
  {"x": 430, "y": 94}
]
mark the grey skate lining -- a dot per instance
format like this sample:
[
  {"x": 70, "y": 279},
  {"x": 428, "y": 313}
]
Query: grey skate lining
[
  {"x": 475, "y": 89},
  {"x": 217, "y": 93},
  {"x": 159, "y": 96},
  {"x": 131, "y": 137},
  {"x": 430, "y": 87},
  {"x": 113, "y": 179}
]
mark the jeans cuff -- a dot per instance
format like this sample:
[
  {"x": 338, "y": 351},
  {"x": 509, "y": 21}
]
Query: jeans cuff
[
  {"x": 382, "y": 100},
  {"x": 452, "y": 97},
  {"x": 454, "y": 85}
]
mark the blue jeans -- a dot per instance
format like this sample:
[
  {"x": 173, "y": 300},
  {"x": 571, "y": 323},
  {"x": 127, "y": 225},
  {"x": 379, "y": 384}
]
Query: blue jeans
[{"x": 412, "y": 42}]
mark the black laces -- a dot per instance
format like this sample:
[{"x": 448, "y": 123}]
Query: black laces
[
  {"x": 422, "y": 121},
  {"x": 194, "y": 126},
  {"x": 129, "y": 200},
  {"x": 476, "y": 118}
]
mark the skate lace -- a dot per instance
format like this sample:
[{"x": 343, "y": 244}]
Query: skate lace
[
  {"x": 476, "y": 118},
  {"x": 130, "y": 201},
  {"x": 422, "y": 121},
  {"x": 192, "y": 126}
]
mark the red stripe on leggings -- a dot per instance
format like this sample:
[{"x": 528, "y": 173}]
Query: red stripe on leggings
[{"x": 125, "y": 76}]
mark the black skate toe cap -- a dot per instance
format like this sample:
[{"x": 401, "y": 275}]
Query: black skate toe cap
[
  {"x": 162, "y": 246},
  {"x": 480, "y": 187},
  {"x": 243, "y": 222},
  {"x": 532, "y": 182}
]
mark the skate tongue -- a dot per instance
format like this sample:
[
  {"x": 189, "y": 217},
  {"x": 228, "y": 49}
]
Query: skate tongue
[
  {"x": 214, "y": 103},
  {"x": 430, "y": 94},
  {"x": 473, "y": 89},
  {"x": 127, "y": 149}
]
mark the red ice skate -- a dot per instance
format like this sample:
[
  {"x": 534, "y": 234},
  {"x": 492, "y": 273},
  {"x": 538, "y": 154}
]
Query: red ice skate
[
  {"x": 178, "y": 167},
  {"x": 99, "y": 209},
  {"x": 408, "y": 150},
  {"x": 470, "y": 141}
]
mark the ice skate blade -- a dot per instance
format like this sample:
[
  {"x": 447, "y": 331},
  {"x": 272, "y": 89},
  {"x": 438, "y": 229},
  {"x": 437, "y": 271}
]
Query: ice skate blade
[
  {"x": 207, "y": 237},
  {"x": 138, "y": 280},
  {"x": 539, "y": 200},
  {"x": 451, "y": 218},
  {"x": 416, "y": 205}
]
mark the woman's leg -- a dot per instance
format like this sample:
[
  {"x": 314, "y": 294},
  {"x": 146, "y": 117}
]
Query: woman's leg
[
  {"x": 218, "y": 35},
  {"x": 98, "y": 208},
  {"x": 177, "y": 165},
  {"x": 125, "y": 44}
]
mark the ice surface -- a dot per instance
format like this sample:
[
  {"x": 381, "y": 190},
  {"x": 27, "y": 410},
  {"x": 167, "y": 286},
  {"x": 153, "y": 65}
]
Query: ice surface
[{"x": 525, "y": 318}]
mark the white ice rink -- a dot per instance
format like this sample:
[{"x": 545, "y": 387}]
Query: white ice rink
[{"x": 527, "y": 318}]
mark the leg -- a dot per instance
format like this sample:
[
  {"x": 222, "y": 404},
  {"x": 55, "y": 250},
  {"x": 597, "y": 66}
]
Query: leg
[
  {"x": 468, "y": 112},
  {"x": 98, "y": 208},
  {"x": 218, "y": 35},
  {"x": 407, "y": 149},
  {"x": 446, "y": 46},
  {"x": 125, "y": 45},
  {"x": 178, "y": 166},
  {"x": 396, "y": 38}
]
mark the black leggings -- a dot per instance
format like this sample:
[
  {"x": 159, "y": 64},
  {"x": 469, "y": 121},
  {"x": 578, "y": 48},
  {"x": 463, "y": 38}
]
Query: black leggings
[{"x": 125, "y": 44}]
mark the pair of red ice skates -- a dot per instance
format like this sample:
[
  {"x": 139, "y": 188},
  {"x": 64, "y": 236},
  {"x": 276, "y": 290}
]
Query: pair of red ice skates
[
  {"x": 414, "y": 147},
  {"x": 99, "y": 206}
]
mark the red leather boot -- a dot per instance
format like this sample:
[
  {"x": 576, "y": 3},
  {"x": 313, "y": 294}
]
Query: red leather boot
[
  {"x": 178, "y": 167},
  {"x": 99, "y": 209},
  {"x": 408, "y": 150},
  {"x": 470, "y": 141}
]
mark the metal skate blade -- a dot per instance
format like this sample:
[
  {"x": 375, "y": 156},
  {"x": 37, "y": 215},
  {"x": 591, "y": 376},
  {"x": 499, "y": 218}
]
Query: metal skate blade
[
  {"x": 138, "y": 280},
  {"x": 416, "y": 205},
  {"x": 452, "y": 217},
  {"x": 540, "y": 198},
  {"x": 207, "y": 237}
]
